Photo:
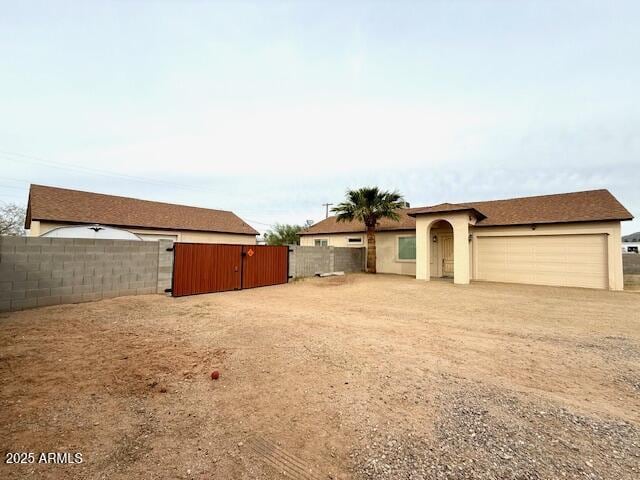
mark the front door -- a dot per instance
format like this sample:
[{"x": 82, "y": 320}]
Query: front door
[{"x": 447, "y": 256}]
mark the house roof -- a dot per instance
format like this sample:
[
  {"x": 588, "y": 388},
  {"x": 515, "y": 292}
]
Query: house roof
[
  {"x": 589, "y": 206},
  {"x": 75, "y": 206},
  {"x": 331, "y": 225}
]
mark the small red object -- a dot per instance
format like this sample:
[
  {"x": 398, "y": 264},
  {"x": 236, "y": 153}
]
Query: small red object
[{"x": 215, "y": 375}]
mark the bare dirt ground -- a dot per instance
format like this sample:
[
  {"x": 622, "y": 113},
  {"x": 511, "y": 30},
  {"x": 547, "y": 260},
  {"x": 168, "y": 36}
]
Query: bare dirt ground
[{"x": 353, "y": 377}]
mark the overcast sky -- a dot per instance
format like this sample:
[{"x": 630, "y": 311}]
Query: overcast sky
[{"x": 273, "y": 108}]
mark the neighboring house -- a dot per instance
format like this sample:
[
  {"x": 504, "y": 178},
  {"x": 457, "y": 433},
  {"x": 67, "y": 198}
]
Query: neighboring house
[
  {"x": 631, "y": 243},
  {"x": 569, "y": 239},
  {"x": 52, "y": 207}
]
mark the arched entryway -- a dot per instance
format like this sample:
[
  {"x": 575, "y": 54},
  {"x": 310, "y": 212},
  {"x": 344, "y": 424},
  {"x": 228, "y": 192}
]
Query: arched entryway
[
  {"x": 443, "y": 245},
  {"x": 440, "y": 237}
]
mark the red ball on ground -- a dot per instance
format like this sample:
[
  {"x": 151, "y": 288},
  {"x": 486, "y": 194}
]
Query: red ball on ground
[{"x": 215, "y": 375}]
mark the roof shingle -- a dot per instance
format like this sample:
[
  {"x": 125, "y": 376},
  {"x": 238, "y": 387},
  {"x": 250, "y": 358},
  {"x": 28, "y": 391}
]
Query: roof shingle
[
  {"x": 589, "y": 206},
  {"x": 75, "y": 206}
]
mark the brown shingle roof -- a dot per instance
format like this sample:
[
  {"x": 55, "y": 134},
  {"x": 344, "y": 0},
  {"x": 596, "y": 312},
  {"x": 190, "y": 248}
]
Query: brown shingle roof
[
  {"x": 74, "y": 206},
  {"x": 331, "y": 225},
  {"x": 589, "y": 206}
]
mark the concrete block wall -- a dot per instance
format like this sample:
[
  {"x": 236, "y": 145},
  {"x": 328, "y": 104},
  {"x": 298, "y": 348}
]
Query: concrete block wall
[
  {"x": 307, "y": 261},
  {"x": 631, "y": 267},
  {"x": 349, "y": 259},
  {"x": 631, "y": 263},
  {"x": 36, "y": 271}
]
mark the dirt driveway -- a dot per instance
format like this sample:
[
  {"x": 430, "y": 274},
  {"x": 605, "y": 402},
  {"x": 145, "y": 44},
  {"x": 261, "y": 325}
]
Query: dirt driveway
[{"x": 353, "y": 377}]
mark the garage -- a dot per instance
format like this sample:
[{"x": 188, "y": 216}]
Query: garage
[{"x": 563, "y": 260}]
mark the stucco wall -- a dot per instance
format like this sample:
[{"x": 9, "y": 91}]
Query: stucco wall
[
  {"x": 334, "y": 240},
  {"x": 386, "y": 249},
  {"x": 38, "y": 228}
]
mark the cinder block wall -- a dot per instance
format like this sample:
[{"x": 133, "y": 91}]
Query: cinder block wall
[
  {"x": 36, "y": 271},
  {"x": 631, "y": 267},
  {"x": 349, "y": 259},
  {"x": 631, "y": 263},
  {"x": 307, "y": 261}
]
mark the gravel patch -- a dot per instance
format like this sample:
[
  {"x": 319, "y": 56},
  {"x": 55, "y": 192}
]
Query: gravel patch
[{"x": 495, "y": 435}]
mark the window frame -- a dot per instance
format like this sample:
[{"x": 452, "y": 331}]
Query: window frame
[
  {"x": 326, "y": 240},
  {"x": 360, "y": 241},
  {"x": 404, "y": 260}
]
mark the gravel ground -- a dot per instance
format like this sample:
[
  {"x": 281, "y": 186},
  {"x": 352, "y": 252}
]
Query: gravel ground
[
  {"x": 354, "y": 377},
  {"x": 490, "y": 434}
]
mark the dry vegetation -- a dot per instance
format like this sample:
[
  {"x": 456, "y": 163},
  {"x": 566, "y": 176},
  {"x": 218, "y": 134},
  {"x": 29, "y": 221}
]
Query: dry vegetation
[{"x": 353, "y": 377}]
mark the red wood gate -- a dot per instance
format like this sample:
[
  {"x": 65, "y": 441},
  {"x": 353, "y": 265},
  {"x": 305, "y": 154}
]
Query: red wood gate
[{"x": 208, "y": 268}]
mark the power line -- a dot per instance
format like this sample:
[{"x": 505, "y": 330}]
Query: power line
[
  {"x": 31, "y": 159},
  {"x": 50, "y": 163}
]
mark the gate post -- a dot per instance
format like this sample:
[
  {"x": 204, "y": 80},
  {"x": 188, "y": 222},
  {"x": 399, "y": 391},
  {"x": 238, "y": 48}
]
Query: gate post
[{"x": 165, "y": 265}]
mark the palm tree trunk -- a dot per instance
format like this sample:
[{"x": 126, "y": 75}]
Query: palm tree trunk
[{"x": 371, "y": 250}]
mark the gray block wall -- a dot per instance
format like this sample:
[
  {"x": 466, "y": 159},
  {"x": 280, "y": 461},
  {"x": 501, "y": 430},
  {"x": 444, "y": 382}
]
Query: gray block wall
[
  {"x": 307, "y": 261},
  {"x": 36, "y": 271},
  {"x": 631, "y": 263}
]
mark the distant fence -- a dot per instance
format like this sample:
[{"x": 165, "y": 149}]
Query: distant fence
[
  {"x": 307, "y": 261},
  {"x": 36, "y": 271},
  {"x": 631, "y": 267},
  {"x": 631, "y": 263}
]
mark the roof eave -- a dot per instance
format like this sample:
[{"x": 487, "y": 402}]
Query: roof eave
[
  {"x": 146, "y": 227},
  {"x": 554, "y": 222},
  {"x": 477, "y": 213}
]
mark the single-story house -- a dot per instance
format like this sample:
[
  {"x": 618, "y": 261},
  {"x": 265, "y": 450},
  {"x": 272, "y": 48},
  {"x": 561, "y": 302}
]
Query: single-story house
[
  {"x": 51, "y": 207},
  {"x": 567, "y": 239}
]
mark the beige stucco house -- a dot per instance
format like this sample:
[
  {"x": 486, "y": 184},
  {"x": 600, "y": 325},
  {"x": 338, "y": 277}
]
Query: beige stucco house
[
  {"x": 51, "y": 207},
  {"x": 569, "y": 239}
]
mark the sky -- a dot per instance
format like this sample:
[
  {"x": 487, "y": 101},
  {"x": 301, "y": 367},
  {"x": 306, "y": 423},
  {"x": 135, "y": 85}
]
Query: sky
[{"x": 271, "y": 109}]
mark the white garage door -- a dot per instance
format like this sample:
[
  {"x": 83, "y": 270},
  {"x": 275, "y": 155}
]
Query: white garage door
[{"x": 565, "y": 260}]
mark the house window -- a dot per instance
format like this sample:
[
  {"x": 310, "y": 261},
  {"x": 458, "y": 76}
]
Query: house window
[
  {"x": 632, "y": 249},
  {"x": 321, "y": 242},
  {"x": 406, "y": 248},
  {"x": 354, "y": 240}
]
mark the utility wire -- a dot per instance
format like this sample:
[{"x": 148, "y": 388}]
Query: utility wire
[{"x": 40, "y": 161}]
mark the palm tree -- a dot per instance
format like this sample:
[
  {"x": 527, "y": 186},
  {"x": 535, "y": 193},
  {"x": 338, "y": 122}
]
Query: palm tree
[{"x": 368, "y": 205}]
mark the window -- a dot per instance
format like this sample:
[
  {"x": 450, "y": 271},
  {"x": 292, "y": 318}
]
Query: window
[
  {"x": 632, "y": 249},
  {"x": 321, "y": 242},
  {"x": 406, "y": 248},
  {"x": 354, "y": 240}
]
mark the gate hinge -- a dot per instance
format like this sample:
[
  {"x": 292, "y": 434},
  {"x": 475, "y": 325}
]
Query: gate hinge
[
  {"x": 170, "y": 249},
  {"x": 168, "y": 290}
]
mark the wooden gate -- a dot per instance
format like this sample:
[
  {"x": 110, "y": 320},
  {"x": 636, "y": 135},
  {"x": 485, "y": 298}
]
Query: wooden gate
[{"x": 207, "y": 268}]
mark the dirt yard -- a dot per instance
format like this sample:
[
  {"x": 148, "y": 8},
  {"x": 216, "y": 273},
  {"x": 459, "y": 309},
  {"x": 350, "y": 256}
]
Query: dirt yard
[{"x": 354, "y": 377}]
